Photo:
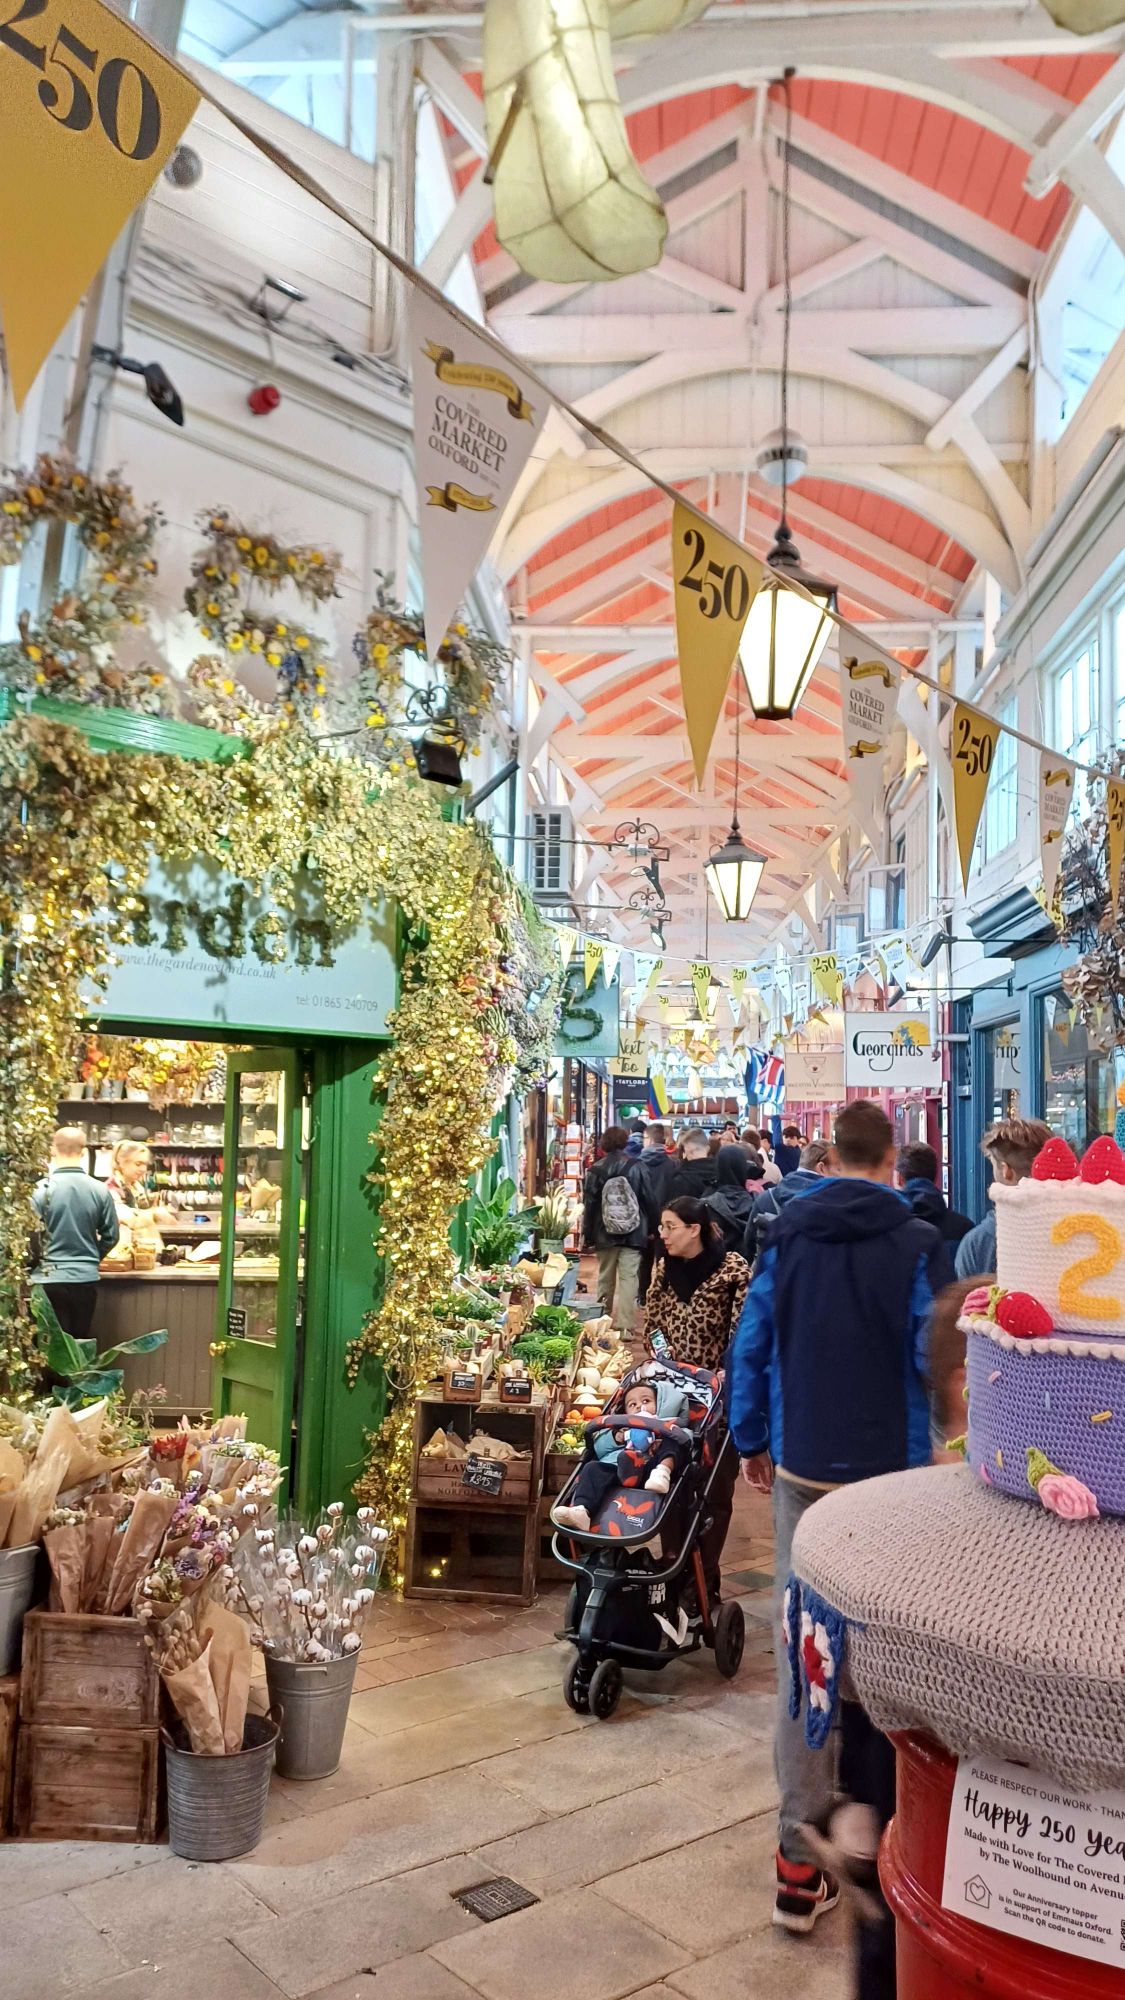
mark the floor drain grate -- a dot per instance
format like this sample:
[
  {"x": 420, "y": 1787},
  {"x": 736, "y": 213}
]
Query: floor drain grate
[{"x": 498, "y": 1898}]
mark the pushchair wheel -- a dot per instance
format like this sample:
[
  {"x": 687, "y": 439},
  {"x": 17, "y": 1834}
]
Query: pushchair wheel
[
  {"x": 576, "y": 1686},
  {"x": 605, "y": 1689},
  {"x": 730, "y": 1639}
]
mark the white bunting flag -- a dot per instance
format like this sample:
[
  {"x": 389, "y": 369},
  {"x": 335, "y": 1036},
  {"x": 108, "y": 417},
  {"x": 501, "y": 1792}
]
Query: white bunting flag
[
  {"x": 475, "y": 425},
  {"x": 869, "y": 702},
  {"x": 738, "y": 976},
  {"x": 1056, "y": 790},
  {"x": 646, "y": 968},
  {"x": 566, "y": 939},
  {"x": 611, "y": 959},
  {"x": 894, "y": 954}
]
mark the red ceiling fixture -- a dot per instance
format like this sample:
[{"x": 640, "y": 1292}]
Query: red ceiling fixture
[{"x": 263, "y": 399}]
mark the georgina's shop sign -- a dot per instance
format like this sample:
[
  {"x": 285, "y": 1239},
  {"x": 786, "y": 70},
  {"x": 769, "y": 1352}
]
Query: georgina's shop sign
[
  {"x": 206, "y": 951},
  {"x": 890, "y": 1052}
]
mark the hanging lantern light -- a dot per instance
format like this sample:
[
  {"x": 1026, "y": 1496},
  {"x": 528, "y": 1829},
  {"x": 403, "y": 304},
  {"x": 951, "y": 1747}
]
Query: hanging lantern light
[
  {"x": 785, "y": 633},
  {"x": 734, "y": 870}
]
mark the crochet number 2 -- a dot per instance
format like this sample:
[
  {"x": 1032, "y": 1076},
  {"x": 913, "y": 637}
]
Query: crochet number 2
[{"x": 1072, "y": 1296}]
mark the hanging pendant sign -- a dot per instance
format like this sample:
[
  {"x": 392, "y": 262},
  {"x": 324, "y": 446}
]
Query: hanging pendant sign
[
  {"x": 973, "y": 748},
  {"x": 701, "y": 984},
  {"x": 715, "y": 583},
  {"x": 593, "y": 951},
  {"x": 92, "y": 113},
  {"x": 475, "y": 425},
  {"x": 1056, "y": 790},
  {"x": 1114, "y": 837},
  {"x": 868, "y": 705},
  {"x": 566, "y": 939},
  {"x": 826, "y": 976}
]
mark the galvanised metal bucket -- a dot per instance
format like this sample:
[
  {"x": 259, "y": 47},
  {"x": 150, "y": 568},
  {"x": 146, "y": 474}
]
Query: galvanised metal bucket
[
  {"x": 216, "y": 1805},
  {"x": 17, "y": 1589},
  {"x": 313, "y": 1700}
]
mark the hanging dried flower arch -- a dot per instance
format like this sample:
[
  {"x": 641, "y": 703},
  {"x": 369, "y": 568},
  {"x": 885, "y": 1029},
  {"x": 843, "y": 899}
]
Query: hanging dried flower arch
[{"x": 478, "y": 991}]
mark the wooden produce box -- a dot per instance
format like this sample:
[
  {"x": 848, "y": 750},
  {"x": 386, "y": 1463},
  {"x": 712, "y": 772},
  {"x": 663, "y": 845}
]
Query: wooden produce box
[
  {"x": 81, "y": 1670},
  {"x": 9, "y": 1724},
  {"x": 87, "y": 1784},
  {"x": 559, "y": 1466},
  {"x": 443, "y": 1480},
  {"x": 472, "y": 1556}
]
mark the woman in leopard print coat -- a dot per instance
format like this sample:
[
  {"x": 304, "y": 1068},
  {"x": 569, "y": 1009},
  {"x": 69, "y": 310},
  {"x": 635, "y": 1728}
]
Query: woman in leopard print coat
[{"x": 698, "y": 1286}]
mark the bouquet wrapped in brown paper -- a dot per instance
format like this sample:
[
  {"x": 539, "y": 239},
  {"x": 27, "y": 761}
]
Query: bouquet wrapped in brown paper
[{"x": 204, "y": 1661}]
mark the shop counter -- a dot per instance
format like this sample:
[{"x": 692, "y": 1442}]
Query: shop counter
[{"x": 184, "y": 1299}]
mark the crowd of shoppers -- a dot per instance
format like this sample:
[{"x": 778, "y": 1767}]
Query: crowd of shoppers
[{"x": 842, "y": 1361}]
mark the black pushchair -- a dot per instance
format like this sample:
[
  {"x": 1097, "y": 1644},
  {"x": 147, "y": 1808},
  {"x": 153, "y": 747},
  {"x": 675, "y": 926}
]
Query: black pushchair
[{"x": 640, "y": 1597}]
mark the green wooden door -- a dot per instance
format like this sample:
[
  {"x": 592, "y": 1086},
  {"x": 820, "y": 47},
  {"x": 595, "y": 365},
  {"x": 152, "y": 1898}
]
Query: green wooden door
[{"x": 261, "y": 1273}]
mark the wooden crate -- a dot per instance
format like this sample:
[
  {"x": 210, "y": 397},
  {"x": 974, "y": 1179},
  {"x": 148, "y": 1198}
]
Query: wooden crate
[
  {"x": 558, "y": 1467},
  {"x": 471, "y": 1555},
  {"x": 87, "y": 1784},
  {"x": 439, "y": 1479},
  {"x": 83, "y": 1670},
  {"x": 9, "y": 1723}
]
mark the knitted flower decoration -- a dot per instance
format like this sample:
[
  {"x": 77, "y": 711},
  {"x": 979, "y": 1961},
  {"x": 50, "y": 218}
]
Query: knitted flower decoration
[{"x": 1058, "y": 1491}]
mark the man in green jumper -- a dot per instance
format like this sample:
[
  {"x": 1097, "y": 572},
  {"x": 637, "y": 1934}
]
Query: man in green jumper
[{"x": 79, "y": 1226}]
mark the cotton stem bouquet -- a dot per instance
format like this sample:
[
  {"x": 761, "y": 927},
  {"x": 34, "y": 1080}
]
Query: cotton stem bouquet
[{"x": 307, "y": 1585}]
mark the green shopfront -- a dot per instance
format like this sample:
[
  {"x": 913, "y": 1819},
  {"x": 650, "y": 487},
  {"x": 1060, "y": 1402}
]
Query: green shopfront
[{"x": 265, "y": 1268}]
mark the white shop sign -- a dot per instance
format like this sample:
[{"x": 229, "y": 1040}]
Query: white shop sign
[
  {"x": 1037, "y": 1860},
  {"x": 207, "y": 951},
  {"x": 890, "y": 1052}
]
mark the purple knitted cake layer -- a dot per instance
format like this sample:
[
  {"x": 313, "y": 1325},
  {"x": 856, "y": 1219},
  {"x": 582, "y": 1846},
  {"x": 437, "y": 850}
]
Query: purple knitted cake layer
[{"x": 1020, "y": 1400}]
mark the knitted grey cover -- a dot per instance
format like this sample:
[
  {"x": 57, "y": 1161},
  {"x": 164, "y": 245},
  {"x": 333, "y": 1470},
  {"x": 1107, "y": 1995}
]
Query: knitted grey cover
[{"x": 985, "y": 1620}]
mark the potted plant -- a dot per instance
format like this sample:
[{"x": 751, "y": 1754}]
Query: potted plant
[
  {"x": 496, "y": 1230},
  {"x": 554, "y": 1219}
]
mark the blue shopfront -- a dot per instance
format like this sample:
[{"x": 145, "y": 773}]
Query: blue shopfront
[{"x": 1020, "y": 1049}]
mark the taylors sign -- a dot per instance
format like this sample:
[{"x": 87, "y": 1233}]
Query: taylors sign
[{"x": 890, "y": 1052}]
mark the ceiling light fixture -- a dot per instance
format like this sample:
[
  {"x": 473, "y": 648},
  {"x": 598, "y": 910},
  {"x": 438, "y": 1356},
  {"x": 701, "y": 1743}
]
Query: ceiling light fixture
[
  {"x": 734, "y": 870},
  {"x": 785, "y": 634}
]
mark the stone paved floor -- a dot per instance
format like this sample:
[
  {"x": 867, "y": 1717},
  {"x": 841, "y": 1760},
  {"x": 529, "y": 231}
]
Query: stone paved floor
[{"x": 649, "y": 1840}]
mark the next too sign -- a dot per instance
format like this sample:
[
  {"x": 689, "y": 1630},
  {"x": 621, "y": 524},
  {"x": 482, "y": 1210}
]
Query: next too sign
[{"x": 890, "y": 1052}]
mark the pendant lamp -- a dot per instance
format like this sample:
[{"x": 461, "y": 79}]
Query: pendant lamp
[
  {"x": 734, "y": 870},
  {"x": 785, "y": 633}
]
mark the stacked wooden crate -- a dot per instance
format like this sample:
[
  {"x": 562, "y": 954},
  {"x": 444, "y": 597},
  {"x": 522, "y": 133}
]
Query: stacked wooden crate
[
  {"x": 88, "y": 1759},
  {"x": 465, "y": 1541}
]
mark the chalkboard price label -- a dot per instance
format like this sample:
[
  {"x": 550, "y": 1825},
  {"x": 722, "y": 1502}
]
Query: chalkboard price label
[
  {"x": 236, "y": 1322},
  {"x": 484, "y": 1475},
  {"x": 515, "y": 1388},
  {"x": 463, "y": 1378}
]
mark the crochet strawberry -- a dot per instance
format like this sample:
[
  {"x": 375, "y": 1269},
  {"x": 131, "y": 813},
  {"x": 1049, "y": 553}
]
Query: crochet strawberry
[
  {"x": 1103, "y": 1161},
  {"x": 1056, "y": 1162},
  {"x": 1022, "y": 1316}
]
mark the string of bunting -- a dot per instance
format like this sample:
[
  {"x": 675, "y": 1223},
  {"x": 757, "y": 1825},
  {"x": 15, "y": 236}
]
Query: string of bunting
[{"x": 478, "y": 414}]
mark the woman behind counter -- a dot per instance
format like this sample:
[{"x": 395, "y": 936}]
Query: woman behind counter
[
  {"x": 695, "y": 1300},
  {"x": 131, "y": 1162}
]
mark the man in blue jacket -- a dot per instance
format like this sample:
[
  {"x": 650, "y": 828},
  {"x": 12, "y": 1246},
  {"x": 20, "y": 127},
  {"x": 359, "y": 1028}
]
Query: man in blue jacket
[{"x": 828, "y": 1385}]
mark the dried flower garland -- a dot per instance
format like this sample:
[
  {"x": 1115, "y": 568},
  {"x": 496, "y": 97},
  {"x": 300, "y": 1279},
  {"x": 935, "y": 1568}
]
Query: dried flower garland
[
  {"x": 400, "y": 696},
  {"x": 232, "y": 561},
  {"x": 459, "y": 1028},
  {"x": 72, "y": 651}
]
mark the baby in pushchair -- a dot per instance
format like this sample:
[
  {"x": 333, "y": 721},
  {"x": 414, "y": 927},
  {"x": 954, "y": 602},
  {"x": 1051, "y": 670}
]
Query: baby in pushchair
[{"x": 630, "y": 1456}]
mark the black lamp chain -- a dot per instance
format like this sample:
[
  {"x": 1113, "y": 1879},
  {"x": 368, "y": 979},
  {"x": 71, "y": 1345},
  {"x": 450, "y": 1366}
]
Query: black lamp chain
[{"x": 787, "y": 293}]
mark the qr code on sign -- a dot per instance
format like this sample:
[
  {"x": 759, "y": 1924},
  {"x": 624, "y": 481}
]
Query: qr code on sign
[{"x": 1122, "y": 1943}]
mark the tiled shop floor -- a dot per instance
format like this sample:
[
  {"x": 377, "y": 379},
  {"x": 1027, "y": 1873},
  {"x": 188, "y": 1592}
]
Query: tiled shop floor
[{"x": 648, "y": 1839}]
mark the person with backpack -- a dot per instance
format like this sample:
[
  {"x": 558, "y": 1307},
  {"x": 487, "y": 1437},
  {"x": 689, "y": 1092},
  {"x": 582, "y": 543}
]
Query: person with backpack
[
  {"x": 818, "y": 1163},
  {"x": 616, "y": 1222},
  {"x": 731, "y": 1200}
]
